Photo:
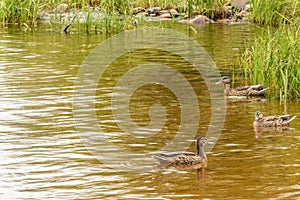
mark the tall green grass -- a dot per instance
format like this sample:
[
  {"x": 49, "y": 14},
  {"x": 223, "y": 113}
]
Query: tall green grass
[
  {"x": 111, "y": 15},
  {"x": 274, "y": 60},
  {"x": 19, "y": 11},
  {"x": 275, "y": 12},
  {"x": 117, "y": 14}
]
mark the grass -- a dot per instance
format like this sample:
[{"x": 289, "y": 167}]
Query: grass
[
  {"x": 275, "y": 12},
  {"x": 274, "y": 60},
  {"x": 117, "y": 13},
  {"x": 19, "y": 11},
  {"x": 267, "y": 12}
]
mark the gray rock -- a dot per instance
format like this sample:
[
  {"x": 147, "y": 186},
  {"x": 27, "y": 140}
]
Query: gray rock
[
  {"x": 142, "y": 14},
  {"x": 200, "y": 19},
  {"x": 152, "y": 15},
  {"x": 62, "y": 8},
  {"x": 154, "y": 10},
  {"x": 174, "y": 13},
  {"x": 166, "y": 15},
  {"x": 247, "y": 6}
]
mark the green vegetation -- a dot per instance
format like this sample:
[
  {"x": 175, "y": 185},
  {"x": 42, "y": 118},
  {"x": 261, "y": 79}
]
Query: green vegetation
[
  {"x": 275, "y": 12},
  {"x": 27, "y": 12},
  {"x": 19, "y": 11},
  {"x": 274, "y": 60},
  {"x": 274, "y": 57},
  {"x": 117, "y": 14}
]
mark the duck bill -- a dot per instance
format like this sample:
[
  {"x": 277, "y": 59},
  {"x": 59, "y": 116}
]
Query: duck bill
[{"x": 220, "y": 81}]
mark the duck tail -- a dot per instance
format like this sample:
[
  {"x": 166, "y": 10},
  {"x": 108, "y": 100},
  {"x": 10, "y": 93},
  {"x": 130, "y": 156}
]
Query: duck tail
[
  {"x": 162, "y": 159},
  {"x": 292, "y": 118},
  {"x": 261, "y": 92}
]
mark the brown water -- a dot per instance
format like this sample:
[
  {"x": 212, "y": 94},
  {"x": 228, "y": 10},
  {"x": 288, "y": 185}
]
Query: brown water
[{"x": 43, "y": 156}]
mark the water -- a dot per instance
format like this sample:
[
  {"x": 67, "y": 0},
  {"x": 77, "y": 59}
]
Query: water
[{"x": 43, "y": 156}]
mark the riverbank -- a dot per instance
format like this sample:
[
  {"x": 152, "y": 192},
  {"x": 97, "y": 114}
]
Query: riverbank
[
  {"x": 112, "y": 15},
  {"x": 228, "y": 13},
  {"x": 100, "y": 15}
]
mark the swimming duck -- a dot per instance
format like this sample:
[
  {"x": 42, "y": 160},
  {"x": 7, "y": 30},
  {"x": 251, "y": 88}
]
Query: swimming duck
[
  {"x": 272, "y": 121},
  {"x": 251, "y": 90},
  {"x": 198, "y": 159}
]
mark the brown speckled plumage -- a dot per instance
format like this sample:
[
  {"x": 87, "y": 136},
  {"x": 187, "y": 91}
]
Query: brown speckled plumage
[
  {"x": 272, "y": 121},
  {"x": 252, "y": 90},
  {"x": 186, "y": 158}
]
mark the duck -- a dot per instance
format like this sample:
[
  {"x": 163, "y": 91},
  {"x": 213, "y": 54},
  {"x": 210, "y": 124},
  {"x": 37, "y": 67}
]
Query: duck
[
  {"x": 251, "y": 90},
  {"x": 186, "y": 159},
  {"x": 272, "y": 121}
]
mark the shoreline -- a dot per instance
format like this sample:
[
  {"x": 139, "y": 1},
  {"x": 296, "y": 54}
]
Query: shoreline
[{"x": 63, "y": 14}]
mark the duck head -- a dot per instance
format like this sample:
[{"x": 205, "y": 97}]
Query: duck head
[
  {"x": 201, "y": 142},
  {"x": 258, "y": 115},
  {"x": 225, "y": 80}
]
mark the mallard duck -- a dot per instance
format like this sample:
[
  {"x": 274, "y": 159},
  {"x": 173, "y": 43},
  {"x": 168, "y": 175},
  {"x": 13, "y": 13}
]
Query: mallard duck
[
  {"x": 251, "y": 90},
  {"x": 272, "y": 121},
  {"x": 198, "y": 159}
]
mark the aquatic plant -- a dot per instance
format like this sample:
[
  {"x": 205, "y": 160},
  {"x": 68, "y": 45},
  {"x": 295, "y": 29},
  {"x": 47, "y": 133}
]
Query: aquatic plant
[
  {"x": 274, "y": 12},
  {"x": 274, "y": 60},
  {"x": 19, "y": 11}
]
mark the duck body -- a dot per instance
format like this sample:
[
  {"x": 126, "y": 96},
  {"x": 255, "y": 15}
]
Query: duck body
[
  {"x": 272, "y": 121},
  {"x": 198, "y": 159},
  {"x": 180, "y": 158},
  {"x": 252, "y": 90}
]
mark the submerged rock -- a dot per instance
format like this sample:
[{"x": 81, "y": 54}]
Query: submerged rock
[
  {"x": 198, "y": 20},
  {"x": 201, "y": 19}
]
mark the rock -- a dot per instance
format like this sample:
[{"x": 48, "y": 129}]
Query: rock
[
  {"x": 174, "y": 13},
  {"x": 200, "y": 19},
  {"x": 161, "y": 12},
  {"x": 242, "y": 14},
  {"x": 247, "y": 7},
  {"x": 223, "y": 21},
  {"x": 152, "y": 15},
  {"x": 154, "y": 10},
  {"x": 142, "y": 14},
  {"x": 166, "y": 15},
  {"x": 62, "y": 8}
]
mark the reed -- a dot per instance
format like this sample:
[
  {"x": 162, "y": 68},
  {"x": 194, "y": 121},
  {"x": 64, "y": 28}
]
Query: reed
[
  {"x": 274, "y": 60},
  {"x": 275, "y": 12},
  {"x": 19, "y": 11}
]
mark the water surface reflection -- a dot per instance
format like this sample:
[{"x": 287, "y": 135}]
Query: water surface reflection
[{"x": 43, "y": 157}]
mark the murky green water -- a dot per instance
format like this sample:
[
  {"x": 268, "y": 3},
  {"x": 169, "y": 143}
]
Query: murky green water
[{"x": 43, "y": 156}]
